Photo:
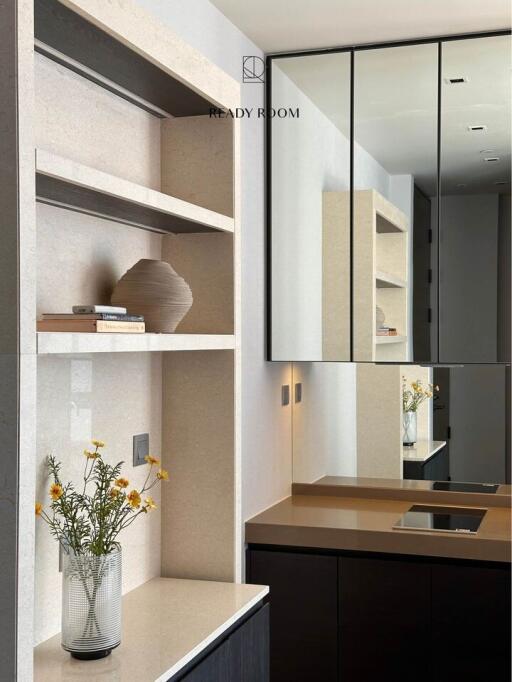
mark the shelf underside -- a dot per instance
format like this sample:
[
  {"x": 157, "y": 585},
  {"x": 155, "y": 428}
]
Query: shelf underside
[
  {"x": 64, "y": 343},
  {"x": 384, "y": 225},
  {"x": 384, "y": 280},
  {"x": 77, "y": 43},
  {"x": 71, "y": 185}
]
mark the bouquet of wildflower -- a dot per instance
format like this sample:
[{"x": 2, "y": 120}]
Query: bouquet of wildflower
[
  {"x": 414, "y": 396},
  {"x": 88, "y": 520}
]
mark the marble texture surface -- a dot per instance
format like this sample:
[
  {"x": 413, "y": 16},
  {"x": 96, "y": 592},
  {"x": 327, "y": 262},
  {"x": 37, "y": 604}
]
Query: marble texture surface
[
  {"x": 166, "y": 624},
  {"x": 93, "y": 126}
]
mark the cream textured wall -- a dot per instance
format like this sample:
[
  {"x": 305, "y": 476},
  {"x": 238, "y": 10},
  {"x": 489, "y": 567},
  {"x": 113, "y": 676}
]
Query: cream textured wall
[
  {"x": 266, "y": 426},
  {"x": 79, "y": 259}
]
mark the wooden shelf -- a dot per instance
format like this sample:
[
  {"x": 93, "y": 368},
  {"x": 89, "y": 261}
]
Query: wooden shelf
[
  {"x": 386, "y": 225},
  {"x": 68, "y": 184},
  {"x": 384, "y": 280},
  {"x": 390, "y": 339},
  {"x": 63, "y": 343}
]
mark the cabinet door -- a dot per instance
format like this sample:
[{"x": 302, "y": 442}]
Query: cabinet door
[
  {"x": 250, "y": 649},
  {"x": 384, "y": 620},
  {"x": 470, "y": 623},
  {"x": 303, "y": 614},
  {"x": 216, "y": 667}
]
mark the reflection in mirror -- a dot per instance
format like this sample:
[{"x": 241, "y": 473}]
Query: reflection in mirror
[
  {"x": 474, "y": 315},
  {"x": 310, "y": 212},
  {"x": 350, "y": 422},
  {"x": 395, "y": 179}
]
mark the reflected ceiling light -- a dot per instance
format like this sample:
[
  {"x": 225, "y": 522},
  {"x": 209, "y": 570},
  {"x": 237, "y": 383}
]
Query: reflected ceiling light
[
  {"x": 461, "y": 185},
  {"x": 478, "y": 128},
  {"x": 491, "y": 158},
  {"x": 455, "y": 80},
  {"x": 486, "y": 151},
  {"x": 500, "y": 182}
]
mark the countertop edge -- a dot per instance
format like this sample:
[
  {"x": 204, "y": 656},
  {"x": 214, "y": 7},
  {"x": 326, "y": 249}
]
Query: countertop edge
[{"x": 165, "y": 677}]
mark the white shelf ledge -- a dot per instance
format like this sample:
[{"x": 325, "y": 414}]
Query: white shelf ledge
[
  {"x": 68, "y": 184},
  {"x": 422, "y": 451},
  {"x": 66, "y": 343},
  {"x": 384, "y": 280},
  {"x": 390, "y": 339}
]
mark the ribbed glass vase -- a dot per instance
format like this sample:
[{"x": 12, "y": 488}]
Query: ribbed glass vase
[
  {"x": 410, "y": 428},
  {"x": 91, "y": 604}
]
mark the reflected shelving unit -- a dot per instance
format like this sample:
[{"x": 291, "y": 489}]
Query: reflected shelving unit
[{"x": 381, "y": 277}]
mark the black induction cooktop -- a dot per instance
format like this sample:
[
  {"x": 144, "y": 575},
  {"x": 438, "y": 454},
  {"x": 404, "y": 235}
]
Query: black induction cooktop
[
  {"x": 422, "y": 517},
  {"x": 455, "y": 487}
]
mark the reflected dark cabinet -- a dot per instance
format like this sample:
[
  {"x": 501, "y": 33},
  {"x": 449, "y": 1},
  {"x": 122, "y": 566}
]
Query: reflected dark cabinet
[
  {"x": 348, "y": 617},
  {"x": 389, "y": 203}
]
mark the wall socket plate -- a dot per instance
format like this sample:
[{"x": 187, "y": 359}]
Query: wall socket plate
[{"x": 140, "y": 448}]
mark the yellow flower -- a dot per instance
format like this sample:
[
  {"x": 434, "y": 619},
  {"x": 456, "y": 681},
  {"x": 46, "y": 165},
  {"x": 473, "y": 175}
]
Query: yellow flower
[
  {"x": 150, "y": 503},
  {"x": 151, "y": 460},
  {"x": 113, "y": 492},
  {"x": 122, "y": 482},
  {"x": 98, "y": 443},
  {"x": 39, "y": 508},
  {"x": 56, "y": 491},
  {"x": 133, "y": 499},
  {"x": 91, "y": 455},
  {"x": 163, "y": 475}
]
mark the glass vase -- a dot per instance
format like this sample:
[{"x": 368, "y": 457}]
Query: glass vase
[
  {"x": 91, "y": 604},
  {"x": 410, "y": 428}
]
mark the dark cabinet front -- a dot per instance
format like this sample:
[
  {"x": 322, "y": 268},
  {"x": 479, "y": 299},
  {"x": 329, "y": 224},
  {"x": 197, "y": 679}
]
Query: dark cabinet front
[
  {"x": 470, "y": 623},
  {"x": 356, "y": 618},
  {"x": 242, "y": 656},
  {"x": 303, "y": 616},
  {"x": 384, "y": 612}
]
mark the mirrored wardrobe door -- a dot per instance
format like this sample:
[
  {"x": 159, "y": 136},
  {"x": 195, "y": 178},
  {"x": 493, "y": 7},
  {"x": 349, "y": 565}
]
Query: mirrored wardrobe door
[
  {"x": 474, "y": 249},
  {"x": 310, "y": 208},
  {"x": 395, "y": 182}
]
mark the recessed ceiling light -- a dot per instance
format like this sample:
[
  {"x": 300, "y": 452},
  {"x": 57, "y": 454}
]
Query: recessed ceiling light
[
  {"x": 492, "y": 159},
  {"x": 455, "y": 80},
  {"x": 500, "y": 182},
  {"x": 478, "y": 128}
]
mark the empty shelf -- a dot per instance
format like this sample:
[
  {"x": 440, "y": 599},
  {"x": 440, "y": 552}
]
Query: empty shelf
[
  {"x": 68, "y": 184},
  {"x": 63, "y": 343}
]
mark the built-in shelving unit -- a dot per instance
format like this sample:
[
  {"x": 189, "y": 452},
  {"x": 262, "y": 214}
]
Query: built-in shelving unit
[
  {"x": 68, "y": 184},
  {"x": 381, "y": 275},
  {"x": 114, "y": 159}
]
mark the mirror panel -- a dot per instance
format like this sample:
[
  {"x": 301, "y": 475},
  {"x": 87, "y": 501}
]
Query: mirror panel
[
  {"x": 310, "y": 209},
  {"x": 474, "y": 264},
  {"x": 395, "y": 182},
  {"x": 349, "y": 422}
]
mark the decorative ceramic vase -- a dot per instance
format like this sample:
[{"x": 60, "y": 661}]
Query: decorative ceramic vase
[
  {"x": 91, "y": 604},
  {"x": 410, "y": 428},
  {"x": 154, "y": 289}
]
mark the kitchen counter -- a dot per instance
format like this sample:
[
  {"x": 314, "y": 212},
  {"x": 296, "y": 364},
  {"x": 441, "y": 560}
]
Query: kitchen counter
[
  {"x": 166, "y": 624},
  {"x": 422, "y": 451},
  {"x": 366, "y": 524}
]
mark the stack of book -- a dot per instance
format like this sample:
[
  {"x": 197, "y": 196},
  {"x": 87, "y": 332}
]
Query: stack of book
[
  {"x": 387, "y": 331},
  {"x": 93, "y": 318}
]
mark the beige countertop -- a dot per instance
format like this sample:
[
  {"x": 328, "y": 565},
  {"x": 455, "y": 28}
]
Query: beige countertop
[
  {"x": 422, "y": 451},
  {"x": 166, "y": 624},
  {"x": 364, "y": 524}
]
